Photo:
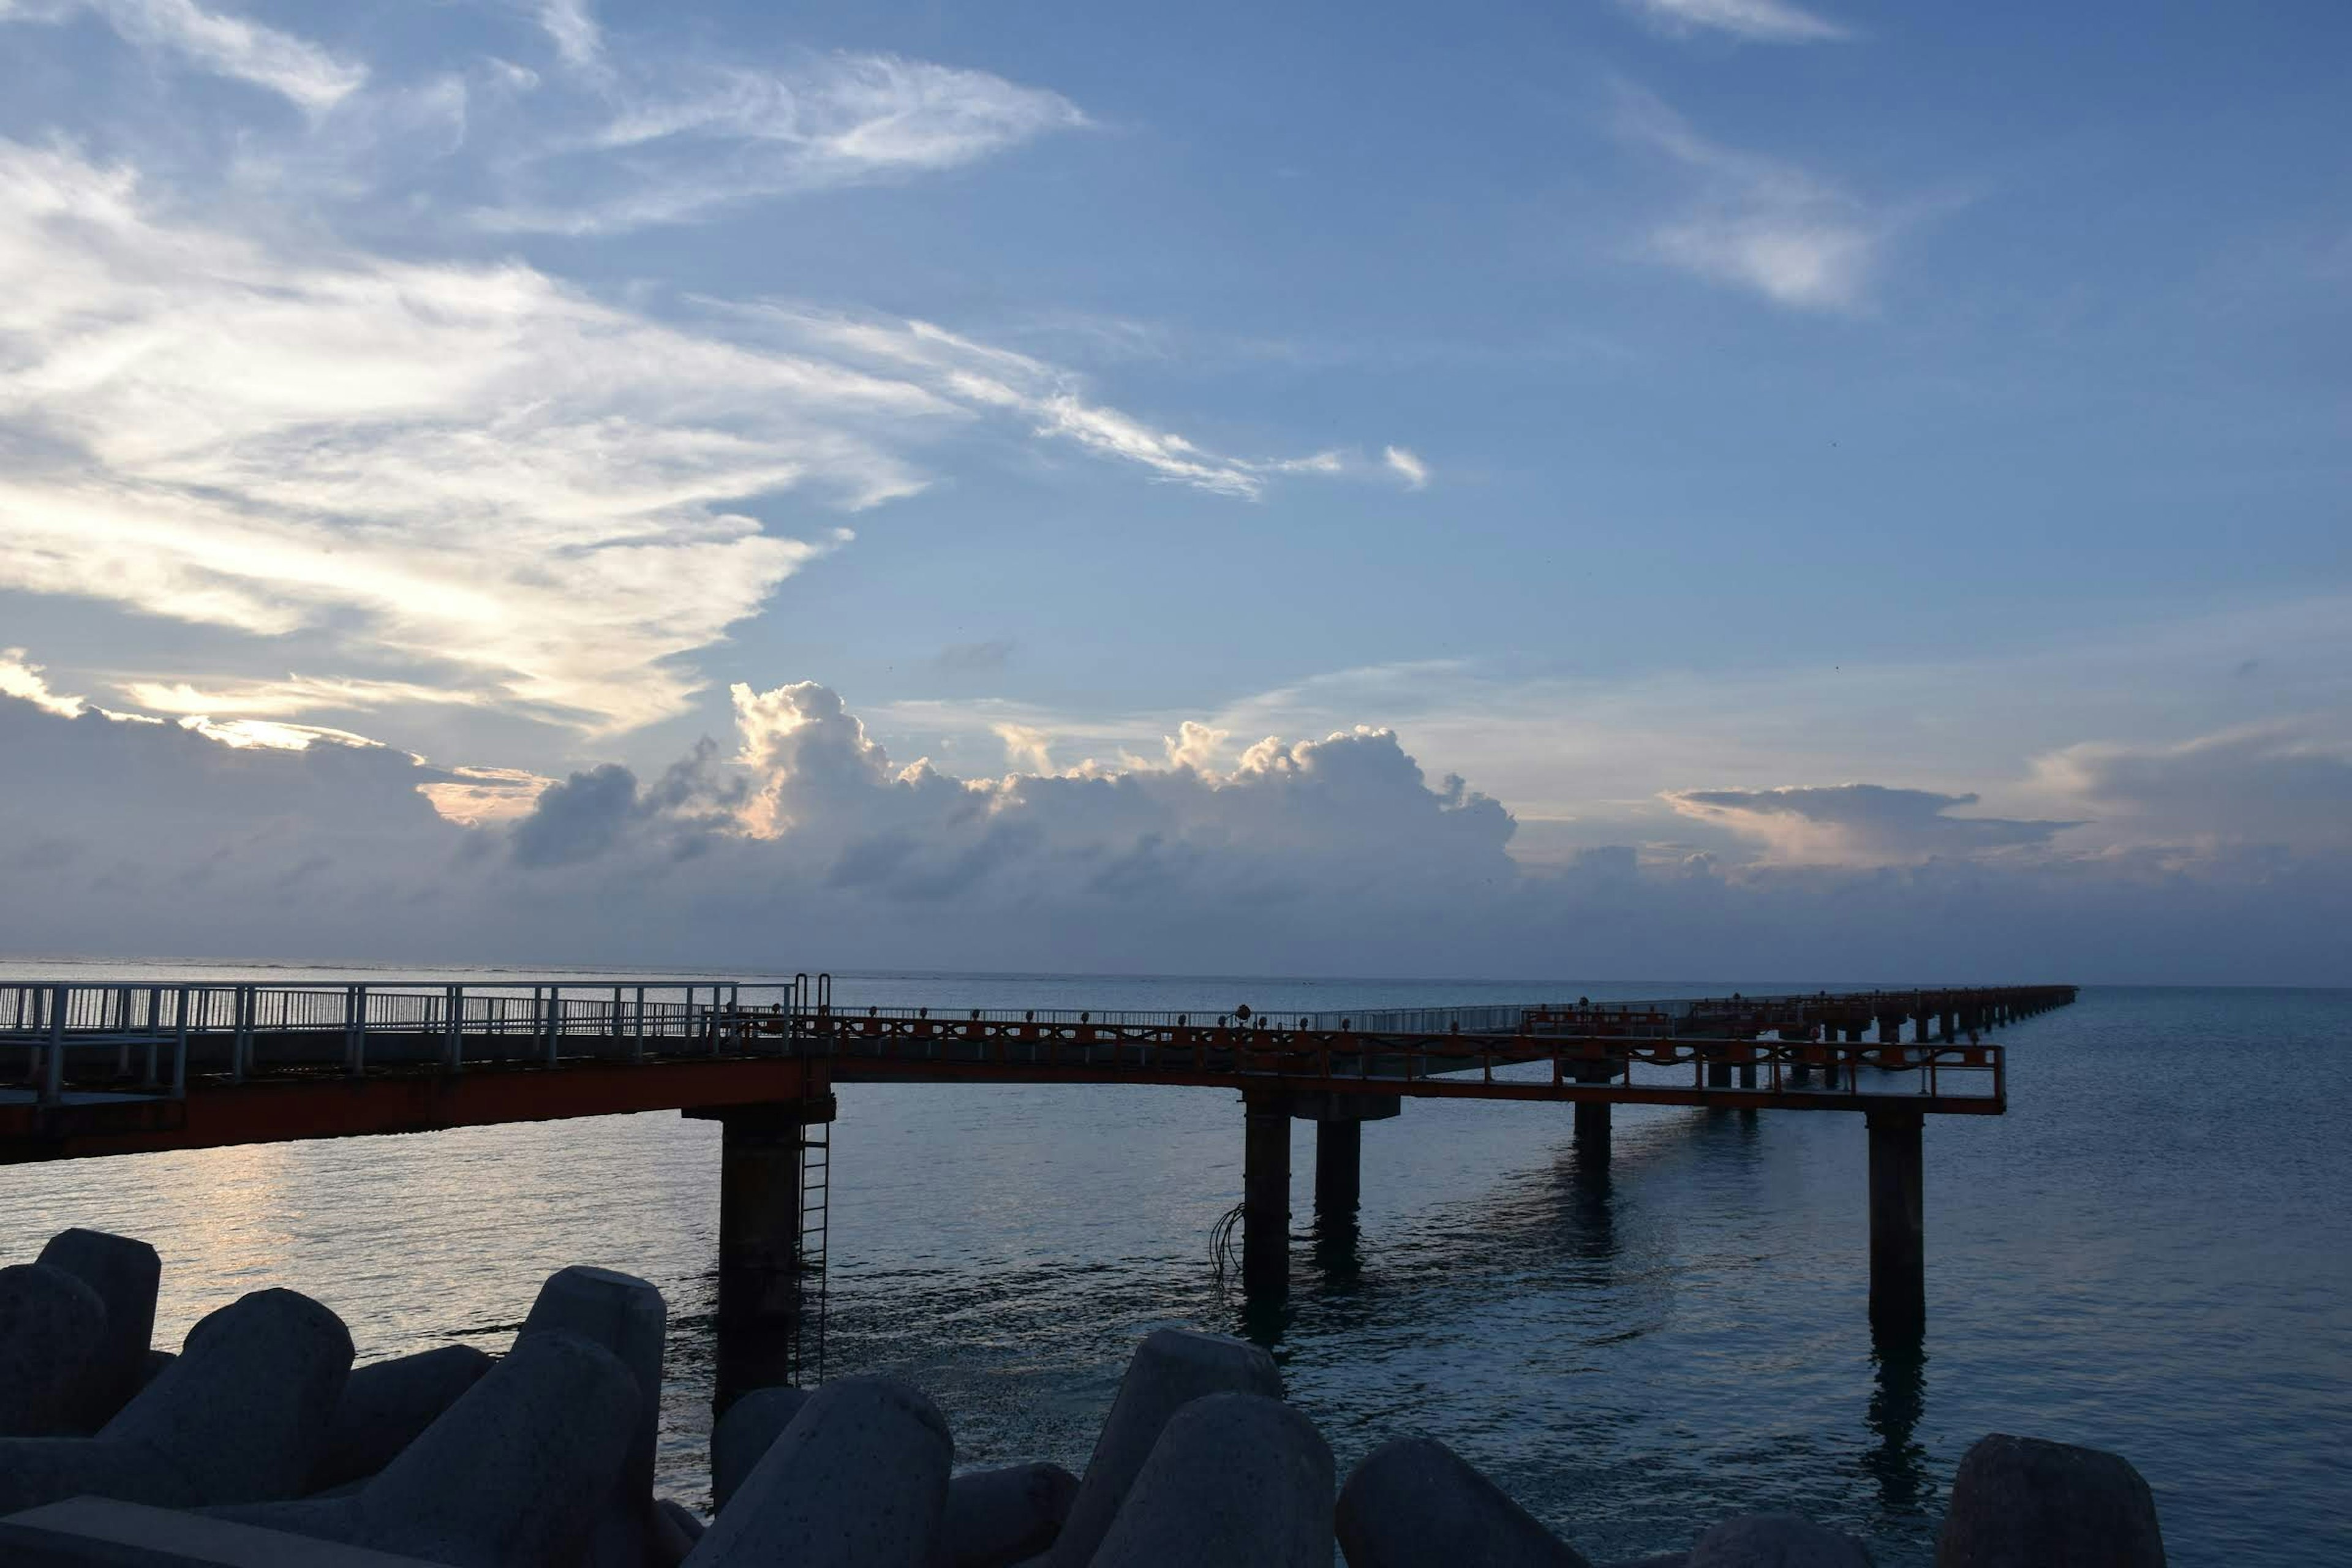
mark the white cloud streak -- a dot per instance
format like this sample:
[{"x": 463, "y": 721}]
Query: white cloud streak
[
  {"x": 472, "y": 470},
  {"x": 310, "y": 77},
  {"x": 1407, "y": 467},
  {"x": 1755, "y": 223},
  {"x": 1764, "y": 21},
  {"x": 674, "y": 141}
]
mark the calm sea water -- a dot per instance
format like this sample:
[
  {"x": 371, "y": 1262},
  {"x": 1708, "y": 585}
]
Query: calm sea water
[{"x": 2151, "y": 1252}]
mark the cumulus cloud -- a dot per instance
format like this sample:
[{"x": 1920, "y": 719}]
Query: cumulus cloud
[
  {"x": 1858, "y": 823},
  {"x": 25, "y": 681},
  {"x": 804, "y": 844},
  {"x": 1757, "y": 223},
  {"x": 1766, "y": 21},
  {"x": 216, "y": 42}
]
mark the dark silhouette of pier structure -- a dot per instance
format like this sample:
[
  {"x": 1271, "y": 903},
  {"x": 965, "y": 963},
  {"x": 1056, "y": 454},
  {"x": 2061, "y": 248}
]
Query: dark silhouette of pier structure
[{"x": 89, "y": 1069}]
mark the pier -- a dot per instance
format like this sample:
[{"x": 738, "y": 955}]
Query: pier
[{"x": 91, "y": 1069}]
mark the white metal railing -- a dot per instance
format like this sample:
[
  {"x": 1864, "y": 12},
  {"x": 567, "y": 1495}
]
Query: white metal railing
[{"x": 58, "y": 1033}]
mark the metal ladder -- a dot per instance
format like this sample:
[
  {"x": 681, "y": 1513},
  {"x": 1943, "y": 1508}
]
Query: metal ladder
[{"x": 808, "y": 1323}]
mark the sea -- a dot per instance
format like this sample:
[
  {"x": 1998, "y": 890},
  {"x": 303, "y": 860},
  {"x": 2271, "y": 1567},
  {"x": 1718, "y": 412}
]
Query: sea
[{"x": 2151, "y": 1253}]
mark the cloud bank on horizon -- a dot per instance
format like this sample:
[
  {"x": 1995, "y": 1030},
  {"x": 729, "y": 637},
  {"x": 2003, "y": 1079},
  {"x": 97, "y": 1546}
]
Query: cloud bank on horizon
[
  {"x": 418, "y": 444},
  {"x": 803, "y": 842}
]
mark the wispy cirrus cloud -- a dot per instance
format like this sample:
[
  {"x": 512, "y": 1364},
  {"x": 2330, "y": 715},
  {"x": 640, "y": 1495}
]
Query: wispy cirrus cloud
[
  {"x": 1765, "y": 21},
  {"x": 471, "y": 470},
  {"x": 667, "y": 139},
  {"x": 1758, "y": 223},
  {"x": 312, "y": 77}
]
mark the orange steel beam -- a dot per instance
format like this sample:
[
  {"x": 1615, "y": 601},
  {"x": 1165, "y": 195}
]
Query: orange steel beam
[{"x": 277, "y": 1109}]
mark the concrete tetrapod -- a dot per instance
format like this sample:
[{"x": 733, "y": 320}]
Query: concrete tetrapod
[
  {"x": 859, "y": 1479},
  {"x": 627, "y": 1316},
  {"x": 1775, "y": 1541},
  {"x": 125, "y": 1274},
  {"x": 997, "y": 1518},
  {"x": 1170, "y": 1368},
  {"x": 1415, "y": 1503},
  {"x": 1236, "y": 1480},
  {"x": 385, "y": 1405},
  {"x": 742, "y": 1436},
  {"x": 2020, "y": 1500},
  {"x": 52, "y": 1342},
  {"x": 235, "y": 1418},
  {"x": 502, "y": 1477}
]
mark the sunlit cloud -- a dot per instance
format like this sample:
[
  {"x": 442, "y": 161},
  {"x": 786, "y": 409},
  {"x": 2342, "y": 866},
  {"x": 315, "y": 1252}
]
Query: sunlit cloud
[
  {"x": 1858, "y": 824},
  {"x": 295, "y": 694},
  {"x": 1407, "y": 467},
  {"x": 23, "y": 680},
  {"x": 476, "y": 469}
]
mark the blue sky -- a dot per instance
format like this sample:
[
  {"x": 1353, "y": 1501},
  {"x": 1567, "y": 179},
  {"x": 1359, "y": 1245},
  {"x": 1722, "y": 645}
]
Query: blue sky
[{"x": 1659, "y": 413}]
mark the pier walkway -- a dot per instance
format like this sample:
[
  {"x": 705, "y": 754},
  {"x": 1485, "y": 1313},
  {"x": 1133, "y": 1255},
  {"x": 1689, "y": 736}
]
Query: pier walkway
[{"x": 126, "y": 1067}]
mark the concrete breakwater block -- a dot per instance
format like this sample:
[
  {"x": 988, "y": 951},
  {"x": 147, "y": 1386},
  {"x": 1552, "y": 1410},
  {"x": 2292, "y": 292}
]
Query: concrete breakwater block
[
  {"x": 742, "y": 1436},
  {"x": 508, "y": 1476},
  {"x": 385, "y": 1405},
  {"x": 1415, "y": 1503},
  {"x": 1776, "y": 1541},
  {"x": 1169, "y": 1369},
  {"x": 1236, "y": 1480},
  {"x": 52, "y": 1343},
  {"x": 858, "y": 1480},
  {"x": 98, "y": 1533},
  {"x": 2020, "y": 1500},
  {"x": 242, "y": 1412},
  {"x": 1001, "y": 1517},
  {"x": 627, "y": 1316},
  {"x": 125, "y": 1274},
  {"x": 235, "y": 1418}
]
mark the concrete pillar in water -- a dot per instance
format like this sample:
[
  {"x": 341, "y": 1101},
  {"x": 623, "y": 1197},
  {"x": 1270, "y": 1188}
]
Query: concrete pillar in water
[
  {"x": 1899, "y": 1255},
  {"x": 1592, "y": 1115},
  {"x": 1951, "y": 1026},
  {"x": 1339, "y": 1168},
  {"x": 1339, "y": 1144},
  {"x": 1748, "y": 1075},
  {"x": 1926, "y": 1027},
  {"x": 1890, "y": 1028},
  {"x": 759, "y": 1219},
  {"x": 1265, "y": 1195},
  {"x": 1718, "y": 1075}
]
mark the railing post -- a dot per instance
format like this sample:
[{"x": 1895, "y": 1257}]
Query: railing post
[
  {"x": 240, "y": 1033},
  {"x": 359, "y": 1030},
  {"x": 452, "y": 1047},
  {"x": 554, "y": 1011},
  {"x": 53, "y": 1070},
  {"x": 154, "y": 1029},
  {"x": 637, "y": 1050},
  {"x": 179, "y": 1049}
]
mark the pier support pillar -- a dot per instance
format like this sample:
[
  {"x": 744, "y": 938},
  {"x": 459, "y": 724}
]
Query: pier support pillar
[
  {"x": 1748, "y": 1075},
  {"x": 1890, "y": 1029},
  {"x": 1339, "y": 1168},
  {"x": 761, "y": 1154},
  {"x": 1265, "y": 1196},
  {"x": 1592, "y": 1115},
  {"x": 1899, "y": 1254},
  {"x": 1718, "y": 1075},
  {"x": 1926, "y": 1028}
]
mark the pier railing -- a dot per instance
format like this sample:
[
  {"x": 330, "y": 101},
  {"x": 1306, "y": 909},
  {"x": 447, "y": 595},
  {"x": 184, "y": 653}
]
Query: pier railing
[
  {"x": 60, "y": 1036},
  {"x": 59, "y": 1040}
]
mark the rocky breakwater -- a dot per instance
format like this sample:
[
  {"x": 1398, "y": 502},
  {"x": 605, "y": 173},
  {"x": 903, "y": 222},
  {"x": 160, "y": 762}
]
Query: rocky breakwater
[{"x": 260, "y": 1444}]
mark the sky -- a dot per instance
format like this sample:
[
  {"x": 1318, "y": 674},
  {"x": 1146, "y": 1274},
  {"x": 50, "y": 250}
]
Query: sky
[{"x": 1626, "y": 489}]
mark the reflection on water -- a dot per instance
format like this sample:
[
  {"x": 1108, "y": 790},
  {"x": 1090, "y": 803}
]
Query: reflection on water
[
  {"x": 2144, "y": 1255},
  {"x": 1897, "y": 1398}
]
